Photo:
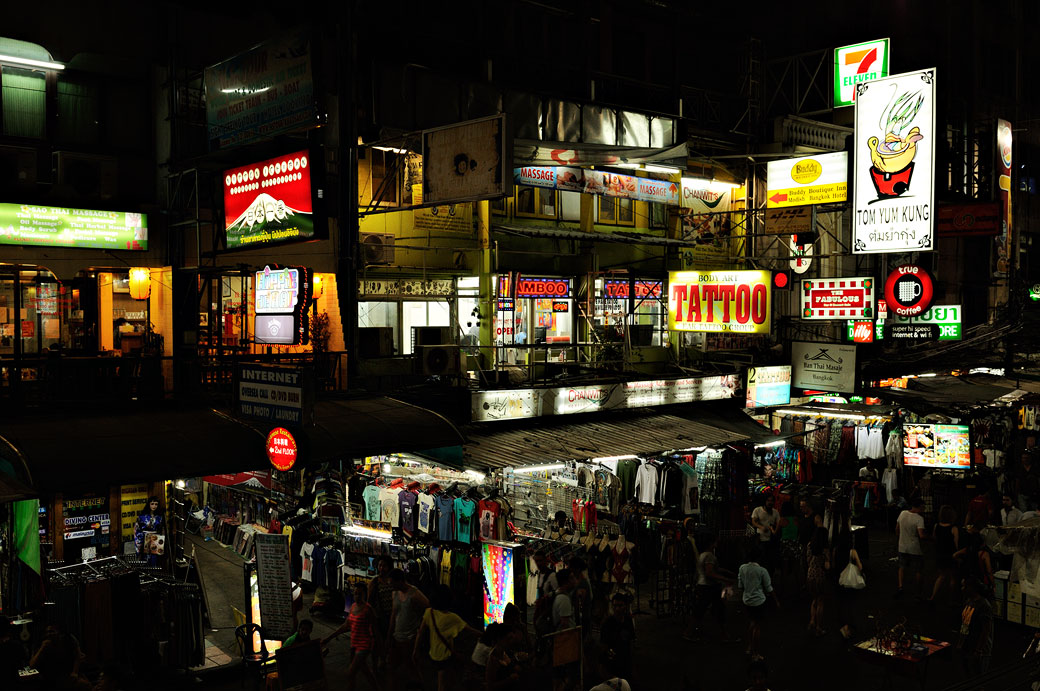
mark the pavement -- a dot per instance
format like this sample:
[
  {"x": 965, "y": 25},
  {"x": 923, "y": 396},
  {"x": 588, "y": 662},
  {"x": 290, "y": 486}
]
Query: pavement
[{"x": 795, "y": 659}]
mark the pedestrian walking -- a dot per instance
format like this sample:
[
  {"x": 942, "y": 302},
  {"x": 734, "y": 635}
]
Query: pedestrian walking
[
  {"x": 910, "y": 529},
  {"x": 766, "y": 520},
  {"x": 757, "y": 587},
  {"x": 947, "y": 537},
  {"x": 406, "y": 615},
  {"x": 440, "y": 627},
  {"x": 711, "y": 579},
  {"x": 976, "y": 632},
  {"x": 361, "y": 622},
  {"x": 816, "y": 577}
]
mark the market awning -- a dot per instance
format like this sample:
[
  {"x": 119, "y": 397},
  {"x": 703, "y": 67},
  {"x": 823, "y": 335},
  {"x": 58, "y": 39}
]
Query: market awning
[
  {"x": 591, "y": 236},
  {"x": 728, "y": 415},
  {"x": 13, "y": 490},
  {"x": 547, "y": 440},
  {"x": 949, "y": 393}
]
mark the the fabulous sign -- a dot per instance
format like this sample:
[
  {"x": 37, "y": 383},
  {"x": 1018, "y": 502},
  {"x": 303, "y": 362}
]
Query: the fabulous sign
[
  {"x": 838, "y": 298},
  {"x": 823, "y": 367},
  {"x": 712, "y": 301}
]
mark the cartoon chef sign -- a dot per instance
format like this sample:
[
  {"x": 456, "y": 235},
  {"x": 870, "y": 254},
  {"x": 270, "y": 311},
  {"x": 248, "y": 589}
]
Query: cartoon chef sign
[{"x": 893, "y": 196}]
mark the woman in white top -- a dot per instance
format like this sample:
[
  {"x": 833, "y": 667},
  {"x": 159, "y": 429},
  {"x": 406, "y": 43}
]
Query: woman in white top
[{"x": 708, "y": 591}]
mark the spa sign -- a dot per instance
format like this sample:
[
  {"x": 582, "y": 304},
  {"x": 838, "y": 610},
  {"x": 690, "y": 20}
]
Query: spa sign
[
  {"x": 893, "y": 190},
  {"x": 719, "y": 301}
]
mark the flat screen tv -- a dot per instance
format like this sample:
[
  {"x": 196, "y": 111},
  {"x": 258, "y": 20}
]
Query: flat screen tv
[{"x": 937, "y": 446}]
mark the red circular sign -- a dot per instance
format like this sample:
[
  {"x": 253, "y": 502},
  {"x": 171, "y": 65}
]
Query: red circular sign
[
  {"x": 281, "y": 449},
  {"x": 909, "y": 290}
]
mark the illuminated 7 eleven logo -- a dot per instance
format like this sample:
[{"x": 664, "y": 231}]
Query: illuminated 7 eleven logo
[{"x": 859, "y": 63}]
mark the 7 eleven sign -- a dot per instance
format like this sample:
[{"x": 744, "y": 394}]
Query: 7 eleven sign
[{"x": 859, "y": 63}]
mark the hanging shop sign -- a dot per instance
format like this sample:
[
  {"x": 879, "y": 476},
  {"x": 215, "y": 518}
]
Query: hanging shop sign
[
  {"x": 281, "y": 449},
  {"x": 132, "y": 500},
  {"x": 821, "y": 179},
  {"x": 823, "y": 366},
  {"x": 406, "y": 288},
  {"x": 515, "y": 404},
  {"x": 838, "y": 298},
  {"x": 909, "y": 290},
  {"x": 968, "y": 220},
  {"x": 274, "y": 393},
  {"x": 274, "y": 583},
  {"x": 620, "y": 289},
  {"x": 946, "y": 319},
  {"x": 466, "y": 161},
  {"x": 937, "y": 446},
  {"x": 262, "y": 92},
  {"x": 893, "y": 180},
  {"x": 530, "y": 287},
  {"x": 768, "y": 386},
  {"x": 789, "y": 221},
  {"x": 801, "y": 256},
  {"x": 602, "y": 183},
  {"x": 269, "y": 202},
  {"x": 856, "y": 64},
  {"x": 282, "y": 296},
  {"x": 862, "y": 332},
  {"x": 737, "y": 301},
  {"x": 257, "y": 479},
  {"x": 54, "y": 226},
  {"x": 1003, "y": 241}
]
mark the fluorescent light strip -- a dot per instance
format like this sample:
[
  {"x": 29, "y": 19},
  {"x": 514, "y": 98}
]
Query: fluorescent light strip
[
  {"x": 652, "y": 168},
  {"x": 540, "y": 468},
  {"x": 391, "y": 149},
  {"x": 366, "y": 532},
  {"x": 32, "y": 63},
  {"x": 476, "y": 475},
  {"x": 614, "y": 458},
  {"x": 772, "y": 443},
  {"x": 820, "y": 413}
]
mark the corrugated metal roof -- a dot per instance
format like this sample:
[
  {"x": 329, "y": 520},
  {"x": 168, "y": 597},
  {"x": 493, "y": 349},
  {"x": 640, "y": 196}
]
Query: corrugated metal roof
[{"x": 534, "y": 442}]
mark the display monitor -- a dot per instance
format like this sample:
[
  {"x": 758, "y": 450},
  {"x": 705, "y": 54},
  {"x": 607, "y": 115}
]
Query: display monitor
[{"x": 937, "y": 446}]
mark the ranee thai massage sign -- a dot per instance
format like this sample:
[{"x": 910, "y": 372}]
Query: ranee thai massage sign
[{"x": 713, "y": 301}]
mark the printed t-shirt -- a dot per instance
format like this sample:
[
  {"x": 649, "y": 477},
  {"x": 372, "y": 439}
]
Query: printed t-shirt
[
  {"x": 444, "y": 577},
  {"x": 445, "y": 525},
  {"x": 443, "y": 627},
  {"x": 465, "y": 509},
  {"x": 308, "y": 563},
  {"x": 425, "y": 509},
  {"x": 909, "y": 538},
  {"x": 407, "y": 501},
  {"x": 373, "y": 504},
  {"x": 391, "y": 508},
  {"x": 488, "y": 517}
]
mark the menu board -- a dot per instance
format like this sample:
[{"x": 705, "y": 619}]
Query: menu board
[
  {"x": 52, "y": 226},
  {"x": 937, "y": 446}
]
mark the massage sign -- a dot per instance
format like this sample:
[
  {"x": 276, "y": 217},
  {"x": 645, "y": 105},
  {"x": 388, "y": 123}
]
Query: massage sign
[{"x": 719, "y": 301}]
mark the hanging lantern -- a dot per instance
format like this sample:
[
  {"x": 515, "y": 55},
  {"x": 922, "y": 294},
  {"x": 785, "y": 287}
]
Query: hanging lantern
[
  {"x": 140, "y": 283},
  {"x": 318, "y": 286}
]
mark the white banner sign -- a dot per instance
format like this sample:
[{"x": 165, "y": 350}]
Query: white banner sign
[
  {"x": 893, "y": 190},
  {"x": 823, "y": 367}
]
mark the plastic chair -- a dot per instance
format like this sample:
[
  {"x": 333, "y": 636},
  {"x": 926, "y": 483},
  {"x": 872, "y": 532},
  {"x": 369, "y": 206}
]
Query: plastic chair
[{"x": 256, "y": 663}]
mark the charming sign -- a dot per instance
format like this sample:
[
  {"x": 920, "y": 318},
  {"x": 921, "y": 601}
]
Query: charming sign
[
  {"x": 823, "y": 367},
  {"x": 768, "y": 386},
  {"x": 735, "y": 301},
  {"x": 281, "y": 449},
  {"x": 838, "y": 298},
  {"x": 821, "y": 179},
  {"x": 909, "y": 290},
  {"x": 269, "y": 202},
  {"x": 856, "y": 64},
  {"x": 53, "y": 226},
  {"x": 893, "y": 183}
]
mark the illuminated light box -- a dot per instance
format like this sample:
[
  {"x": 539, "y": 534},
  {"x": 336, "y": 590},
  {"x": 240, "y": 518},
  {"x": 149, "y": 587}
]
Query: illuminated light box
[
  {"x": 55, "y": 226},
  {"x": 497, "y": 562},
  {"x": 269, "y": 202},
  {"x": 937, "y": 446}
]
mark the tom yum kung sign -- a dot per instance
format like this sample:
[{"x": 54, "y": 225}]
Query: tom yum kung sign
[
  {"x": 713, "y": 301},
  {"x": 838, "y": 298}
]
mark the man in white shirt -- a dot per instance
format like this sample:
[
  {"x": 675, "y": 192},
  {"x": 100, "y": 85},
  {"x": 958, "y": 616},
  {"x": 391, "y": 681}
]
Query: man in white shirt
[
  {"x": 1009, "y": 513},
  {"x": 766, "y": 520},
  {"x": 910, "y": 529},
  {"x": 562, "y": 606}
]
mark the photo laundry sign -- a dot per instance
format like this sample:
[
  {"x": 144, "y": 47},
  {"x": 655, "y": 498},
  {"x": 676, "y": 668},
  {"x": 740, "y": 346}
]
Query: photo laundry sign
[
  {"x": 893, "y": 190},
  {"x": 823, "y": 367},
  {"x": 713, "y": 301},
  {"x": 838, "y": 298}
]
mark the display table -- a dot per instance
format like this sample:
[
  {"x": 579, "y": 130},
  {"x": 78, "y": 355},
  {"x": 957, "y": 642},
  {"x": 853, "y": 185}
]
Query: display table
[{"x": 909, "y": 664}]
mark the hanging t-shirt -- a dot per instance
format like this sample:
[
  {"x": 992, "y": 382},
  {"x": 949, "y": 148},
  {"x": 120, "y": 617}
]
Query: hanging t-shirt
[
  {"x": 690, "y": 497},
  {"x": 465, "y": 510},
  {"x": 646, "y": 484},
  {"x": 445, "y": 567},
  {"x": 488, "y": 517},
  {"x": 626, "y": 472},
  {"x": 391, "y": 509},
  {"x": 306, "y": 553},
  {"x": 373, "y": 504},
  {"x": 407, "y": 501},
  {"x": 445, "y": 513},
  {"x": 425, "y": 508}
]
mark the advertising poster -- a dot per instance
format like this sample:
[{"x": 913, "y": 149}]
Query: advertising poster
[
  {"x": 274, "y": 583},
  {"x": 893, "y": 190},
  {"x": 821, "y": 179},
  {"x": 52, "y": 226},
  {"x": 132, "y": 501},
  {"x": 714, "y": 301},
  {"x": 269, "y": 202},
  {"x": 823, "y": 367},
  {"x": 705, "y": 221},
  {"x": 855, "y": 64},
  {"x": 937, "y": 446},
  {"x": 264, "y": 91},
  {"x": 838, "y": 298},
  {"x": 87, "y": 525},
  {"x": 768, "y": 386}
]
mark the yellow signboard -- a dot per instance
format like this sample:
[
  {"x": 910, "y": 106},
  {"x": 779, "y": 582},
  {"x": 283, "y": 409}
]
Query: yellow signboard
[
  {"x": 720, "y": 301},
  {"x": 132, "y": 501},
  {"x": 821, "y": 179}
]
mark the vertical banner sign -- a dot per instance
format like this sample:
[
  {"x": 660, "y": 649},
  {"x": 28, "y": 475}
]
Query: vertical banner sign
[
  {"x": 893, "y": 190},
  {"x": 714, "y": 301},
  {"x": 269, "y": 202},
  {"x": 856, "y": 64},
  {"x": 704, "y": 220},
  {"x": 274, "y": 583},
  {"x": 1003, "y": 241}
]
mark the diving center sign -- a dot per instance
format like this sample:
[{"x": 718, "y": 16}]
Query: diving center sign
[{"x": 719, "y": 301}]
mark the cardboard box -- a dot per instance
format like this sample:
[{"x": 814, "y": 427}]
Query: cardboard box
[
  {"x": 1000, "y": 609},
  {"x": 1032, "y": 617},
  {"x": 1015, "y": 593},
  {"x": 1000, "y": 585},
  {"x": 1014, "y": 612}
]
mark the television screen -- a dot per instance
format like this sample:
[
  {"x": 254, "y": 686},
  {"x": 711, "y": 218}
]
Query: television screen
[{"x": 937, "y": 446}]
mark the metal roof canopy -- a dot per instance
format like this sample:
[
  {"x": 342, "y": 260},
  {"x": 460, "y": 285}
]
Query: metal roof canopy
[{"x": 547, "y": 440}]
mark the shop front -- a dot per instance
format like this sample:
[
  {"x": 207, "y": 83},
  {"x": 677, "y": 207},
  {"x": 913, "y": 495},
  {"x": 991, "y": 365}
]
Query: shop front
[{"x": 534, "y": 319}]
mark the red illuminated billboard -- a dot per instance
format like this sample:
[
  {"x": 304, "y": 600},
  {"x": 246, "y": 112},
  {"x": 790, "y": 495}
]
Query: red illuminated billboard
[{"x": 269, "y": 202}]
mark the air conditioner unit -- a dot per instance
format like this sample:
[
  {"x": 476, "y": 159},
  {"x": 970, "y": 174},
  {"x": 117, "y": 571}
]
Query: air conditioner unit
[
  {"x": 377, "y": 248},
  {"x": 432, "y": 335},
  {"x": 17, "y": 166},
  {"x": 86, "y": 175},
  {"x": 439, "y": 360},
  {"x": 375, "y": 342}
]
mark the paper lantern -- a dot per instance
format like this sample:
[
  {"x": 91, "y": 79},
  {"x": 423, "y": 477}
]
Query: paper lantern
[{"x": 140, "y": 283}]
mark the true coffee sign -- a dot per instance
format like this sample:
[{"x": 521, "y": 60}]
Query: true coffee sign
[
  {"x": 719, "y": 301},
  {"x": 909, "y": 290}
]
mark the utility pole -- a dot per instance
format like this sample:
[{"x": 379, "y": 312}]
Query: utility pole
[{"x": 346, "y": 267}]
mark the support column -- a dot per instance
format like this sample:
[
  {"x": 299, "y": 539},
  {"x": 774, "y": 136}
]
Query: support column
[{"x": 486, "y": 301}]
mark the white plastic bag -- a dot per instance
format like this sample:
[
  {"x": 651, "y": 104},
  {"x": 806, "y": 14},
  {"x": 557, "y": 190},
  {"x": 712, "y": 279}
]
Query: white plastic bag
[{"x": 851, "y": 577}]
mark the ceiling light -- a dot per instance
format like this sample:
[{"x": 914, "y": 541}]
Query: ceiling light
[
  {"x": 540, "y": 468},
  {"x": 390, "y": 149},
  {"x": 477, "y": 476},
  {"x": 32, "y": 63},
  {"x": 654, "y": 168},
  {"x": 768, "y": 444},
  {"x": 366, "y": 532}
]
